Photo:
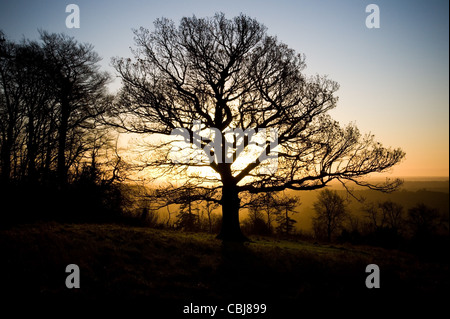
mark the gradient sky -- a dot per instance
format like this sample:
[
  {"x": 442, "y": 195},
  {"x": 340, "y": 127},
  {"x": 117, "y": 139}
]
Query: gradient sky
[{"x": 394, "y": 81}]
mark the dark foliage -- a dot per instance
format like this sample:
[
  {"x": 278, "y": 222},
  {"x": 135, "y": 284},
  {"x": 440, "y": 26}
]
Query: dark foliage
[{"x": 53, "y": 163}]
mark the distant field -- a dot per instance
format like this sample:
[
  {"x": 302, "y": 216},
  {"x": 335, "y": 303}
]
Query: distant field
[
  {"x": 155, "y": 268},
  {"x": 433, "y": 193}
]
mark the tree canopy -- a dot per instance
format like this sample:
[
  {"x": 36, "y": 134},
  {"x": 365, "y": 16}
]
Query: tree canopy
[{"x": 212, "y": 76}]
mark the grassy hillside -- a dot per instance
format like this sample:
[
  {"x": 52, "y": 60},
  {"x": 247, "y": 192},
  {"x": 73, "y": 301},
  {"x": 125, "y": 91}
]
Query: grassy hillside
[{"x": 165, "y": 270}]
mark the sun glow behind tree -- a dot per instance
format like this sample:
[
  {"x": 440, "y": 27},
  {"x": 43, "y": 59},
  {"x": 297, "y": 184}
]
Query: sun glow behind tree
[{"x": 212, "y": 76}]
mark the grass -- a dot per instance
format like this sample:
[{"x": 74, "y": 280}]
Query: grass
[{"x": 121, "y": 265}]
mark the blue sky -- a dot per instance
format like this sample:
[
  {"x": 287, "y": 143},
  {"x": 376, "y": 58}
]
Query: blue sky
[{"x": 394, "y": 81}]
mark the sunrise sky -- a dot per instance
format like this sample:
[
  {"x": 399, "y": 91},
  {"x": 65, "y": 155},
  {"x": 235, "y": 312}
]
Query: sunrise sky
[{"x": 394, "y": 81}]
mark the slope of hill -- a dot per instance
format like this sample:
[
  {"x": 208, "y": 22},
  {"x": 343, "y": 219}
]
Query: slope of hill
[{"x": 167, "y": 270}]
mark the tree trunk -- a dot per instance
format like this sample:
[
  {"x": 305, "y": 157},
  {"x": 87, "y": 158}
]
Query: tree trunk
[
  {"x": 231, "y": 229},
  {"x": 329, "y": 232},
  {"x": 31, "y": 149},
  {"x": 287, "y": 221},
  {"x": 6, "y": 151},
  {"x": 62, "y": 137}
]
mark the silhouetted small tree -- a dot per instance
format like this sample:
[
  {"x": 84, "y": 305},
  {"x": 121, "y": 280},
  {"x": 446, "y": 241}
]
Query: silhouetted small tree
[
  {"x": 394, "y": 214},
  {"x": 263, "y": 204},
  {"x": 188, "y": 199},
  {"x": 423, "y": 220},
  {"x": 375, "y": 217},
  {"x": 286, "y": 205},
  {"x": 330, "y": 211},
  {"x": 385, "y": 223},
  {"x": 187, "y": 218},
  {"x": 255, "y": 224},
  {"x": 209, "y": 208}
]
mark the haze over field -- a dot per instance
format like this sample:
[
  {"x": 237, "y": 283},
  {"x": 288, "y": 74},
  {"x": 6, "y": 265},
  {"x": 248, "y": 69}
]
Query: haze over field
[{"x": 431, "y": 191}]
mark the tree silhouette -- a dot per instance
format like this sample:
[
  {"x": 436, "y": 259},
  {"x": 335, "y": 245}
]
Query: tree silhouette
[
  {"x": 11, "y": 108},
  {"x": 192, "y": 200},
  {"x": 51, "y": 96},
  {"x": 264, "y": 203},
  {"x": 393, "y": 212},
  {"x": 209, "y": 207},
  {"x": 423, "y": 220},
  {"x": 255, "y": 223},
  {"x": 209, "y": 76},
  {"x": 188, "y": 215},
  {"x": 385, "y": 214},
  {"x": 286, "y": 204},
  {"x": 80, "y": 91},
  {"x": 385, "y": 222},
  {"x": 330, "y": 213}
]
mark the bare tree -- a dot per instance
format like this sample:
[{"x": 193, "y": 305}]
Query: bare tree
[
  {"x": 331, "y": 212},
  {"x": 394, "y": 214},
  {"x": 26, "y": 108},
  {"x": 286, "y": 205},
  {"x": 255, "y": 222},
  {"x": 265, "y": 203},
  {"x": 423, "y": 220},
  {"x": 11, "y": 108},
  {"x": 188, "y": 215},
  {"x": 210, "y": 206},
  {"x": 376, "y": 218},
  {"x": 213, "y": 76},
  {"x": 384, "y": 215},
  {"x": 51, "y": 96},
  {"x": 80, "y": 90},
  {"x": 189, "y": 198}
]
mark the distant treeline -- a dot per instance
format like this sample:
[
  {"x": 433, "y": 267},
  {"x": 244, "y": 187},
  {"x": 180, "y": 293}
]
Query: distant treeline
[
  {"x": 407, "y": 197},
  {"x": 334, "y": 216}
]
